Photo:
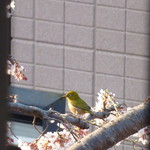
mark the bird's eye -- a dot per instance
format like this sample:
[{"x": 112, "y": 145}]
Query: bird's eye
[{"x": 69, "y": 95}]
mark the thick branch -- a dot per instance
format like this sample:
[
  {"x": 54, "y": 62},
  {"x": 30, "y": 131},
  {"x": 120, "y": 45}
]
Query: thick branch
[{"x": 113, "y": 132}]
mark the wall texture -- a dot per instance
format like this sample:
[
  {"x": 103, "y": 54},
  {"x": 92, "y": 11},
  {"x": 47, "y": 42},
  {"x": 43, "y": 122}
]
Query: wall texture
[{"x": 84, "y": 45}]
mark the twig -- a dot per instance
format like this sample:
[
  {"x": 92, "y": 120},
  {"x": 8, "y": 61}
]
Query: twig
[
  {"x": 33, "y": 122},
  {"x": 47, "y": 125},
  {"x": 13, "y": 133},
  {"x": 133, "y": 142},
  {"x": 74, "y": 135}
]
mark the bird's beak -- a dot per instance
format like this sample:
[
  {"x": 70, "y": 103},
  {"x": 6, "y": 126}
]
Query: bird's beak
[{"x": 64, "y": 96}]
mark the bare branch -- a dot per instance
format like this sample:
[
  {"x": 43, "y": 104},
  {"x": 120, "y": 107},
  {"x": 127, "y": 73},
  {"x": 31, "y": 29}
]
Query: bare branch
[
  {"x": 47, "y": 114},
  {"x": 33, "y": 122},
  {"x": 54, "y": 115},
  {"x": 105, "y": 113}
]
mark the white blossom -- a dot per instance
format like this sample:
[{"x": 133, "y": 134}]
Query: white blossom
[
  {"x": 12, "y": 5},
  {"x": 139, "y": 133},
  {"x": 52, "y": 121}
]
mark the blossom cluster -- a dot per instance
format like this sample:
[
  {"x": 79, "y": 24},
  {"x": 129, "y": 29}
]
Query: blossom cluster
[
  {"x": 52, "y": 141},
  {"x": 16, "y": 70},
  {"x": 143, "y": 135},
  {"x": 105, "y": 100}
]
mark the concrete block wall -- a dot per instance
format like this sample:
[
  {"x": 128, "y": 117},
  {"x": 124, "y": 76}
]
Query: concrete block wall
[{"x": 84, "y": 45}]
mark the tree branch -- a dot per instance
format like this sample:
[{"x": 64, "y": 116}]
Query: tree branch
[
  {"x": 54, "y": 115},
  {"x": 47, "y": 114},
  {"x": 113, "y": 132}
]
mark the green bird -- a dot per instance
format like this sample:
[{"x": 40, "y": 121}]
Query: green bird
[{"x": 77, "y": 105}]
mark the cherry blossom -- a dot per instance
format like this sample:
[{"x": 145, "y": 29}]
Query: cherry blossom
[{"x": 16, "y": 70}]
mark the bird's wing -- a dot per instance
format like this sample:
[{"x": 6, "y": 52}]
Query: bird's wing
[{"x": 82, "y": 105}]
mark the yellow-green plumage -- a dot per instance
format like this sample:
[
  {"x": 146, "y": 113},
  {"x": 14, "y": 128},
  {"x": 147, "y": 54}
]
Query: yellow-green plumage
[{"x": 76, "y": 104}]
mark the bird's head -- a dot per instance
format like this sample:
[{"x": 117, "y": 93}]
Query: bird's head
[{"x": 71, "y": 95}]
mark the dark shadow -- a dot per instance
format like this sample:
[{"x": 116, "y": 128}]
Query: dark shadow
[{"x": 4, "y": 50}]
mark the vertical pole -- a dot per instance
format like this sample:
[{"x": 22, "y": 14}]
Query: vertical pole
[{"x": 4, "y": 49}]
